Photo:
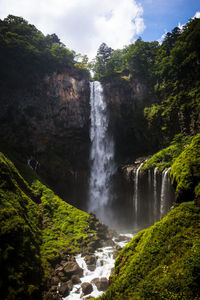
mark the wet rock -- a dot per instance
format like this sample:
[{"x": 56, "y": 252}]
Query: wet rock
[
  {"x": 78, "y": 291},
  {"x": 70, "y": 285},
  {"x": 61, "y": 274},
  {"x": 63, "y": 289},
  {"x": 101, "y": 283},
  {"x": 55, "y": 280},
  {"x": 91, "y": 268},
  {"x": 86, "y": 288},
  {"x": 53, "y": 288},
  {"x": 75, "y": 279},
  {"x": 93, "y": 245},
  {"x": 108, "y": 243},
  {"x": 52, "y": 296},
  {"x": 72, "y": 268},
  {"x": 90, "y": 259},
  {"x": 122, "y": 238},
  {"x": 115, "y": 254},
  {"x": 91, "y": 262},
  {"x": 59, "y": 269}
]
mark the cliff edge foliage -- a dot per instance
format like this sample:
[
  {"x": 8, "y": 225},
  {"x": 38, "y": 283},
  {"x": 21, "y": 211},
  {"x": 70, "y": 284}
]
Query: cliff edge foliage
[
  {"x": 26, "y": 54},
  {"x": 183, "y": 157},
  {"x": 161, "y": 262},
  {"x": 37, "y": 230},
  {"x": 170, "y": 74}
]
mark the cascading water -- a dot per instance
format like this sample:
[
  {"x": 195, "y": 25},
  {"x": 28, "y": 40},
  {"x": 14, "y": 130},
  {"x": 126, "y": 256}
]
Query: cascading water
[
  {"x": 155, "y": 192},
  {"x": 136, "y": 192},
  {"x": 164, "y": 192},
  {"x": 102, "y": 154}
]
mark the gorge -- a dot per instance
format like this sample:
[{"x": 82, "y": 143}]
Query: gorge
[{"x": 84, "y": 162}]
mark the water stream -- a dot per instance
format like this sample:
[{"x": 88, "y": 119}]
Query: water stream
[
  {"x": 102, "y": 155},
  {"x": 104, "y": 263}
]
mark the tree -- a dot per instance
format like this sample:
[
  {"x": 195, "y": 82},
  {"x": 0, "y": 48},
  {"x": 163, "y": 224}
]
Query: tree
[{"x": 103, "y": 55}]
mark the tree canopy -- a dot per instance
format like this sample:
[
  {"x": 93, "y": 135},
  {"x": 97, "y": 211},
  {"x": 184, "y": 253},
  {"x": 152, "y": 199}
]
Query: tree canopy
[{"x": 25, "y": 53}]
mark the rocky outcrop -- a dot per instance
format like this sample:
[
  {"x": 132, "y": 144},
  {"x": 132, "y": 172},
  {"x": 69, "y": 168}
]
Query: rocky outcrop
[{"x": 48, "y": 122}]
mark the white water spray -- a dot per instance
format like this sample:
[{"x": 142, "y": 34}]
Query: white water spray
[
  {"x": 164, "y": 187},
  {"x": 136, "y": 189},
  {"x": 102, "y": 153},
  {"x": 155, "y": 196}
]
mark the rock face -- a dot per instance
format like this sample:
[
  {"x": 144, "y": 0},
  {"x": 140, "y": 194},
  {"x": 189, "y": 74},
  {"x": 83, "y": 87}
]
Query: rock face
[
  {"x": 49, "y": 123},
  {"x": 126, "y": 101}
]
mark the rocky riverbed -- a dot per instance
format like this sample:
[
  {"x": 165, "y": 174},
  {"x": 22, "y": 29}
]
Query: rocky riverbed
[{"x": 91, "y": 272}]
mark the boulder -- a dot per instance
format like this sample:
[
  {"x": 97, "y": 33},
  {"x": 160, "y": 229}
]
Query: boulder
[
  {"x": 75, "y": 279},
  {"x": 63, "y": 289},
  {"x": 72, "y": 268},
  {"x": 91, "y": 262},
  {"x": 70, "y": 285},
  {"x": 86, "y": 288},
  {"x": 92, "y": 267},
  {"x": 101, "y": 283}
]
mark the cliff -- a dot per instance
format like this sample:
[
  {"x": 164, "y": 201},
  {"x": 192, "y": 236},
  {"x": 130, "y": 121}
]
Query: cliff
[
  {"x": 126, "y": 99},
  {"x": 48, "y": 122}
]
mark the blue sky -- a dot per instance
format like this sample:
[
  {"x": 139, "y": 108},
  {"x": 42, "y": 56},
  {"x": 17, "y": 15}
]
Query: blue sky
[
  {"x": 163, "y": 15},
  {"x": 82, "y": 25}
]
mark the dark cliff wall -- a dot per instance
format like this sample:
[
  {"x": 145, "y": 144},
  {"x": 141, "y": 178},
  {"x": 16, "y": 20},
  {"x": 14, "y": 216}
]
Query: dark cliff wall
[
  {"x": 126, "y": 101},
  {"x": 48, "y": 122}
]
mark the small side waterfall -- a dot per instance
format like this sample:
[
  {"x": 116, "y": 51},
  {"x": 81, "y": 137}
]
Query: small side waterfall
[
  {"x": 102, "y": 154},
  {"x": 155, "y": 192},
  {"x": 164, "y": 191},
  {"x": 136, "y": 191}
]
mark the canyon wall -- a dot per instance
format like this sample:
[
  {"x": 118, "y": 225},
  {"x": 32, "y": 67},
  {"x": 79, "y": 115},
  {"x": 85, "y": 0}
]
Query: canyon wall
[
  {"x": 126, "y": 101},
  {"x": 48, "y": 122}
]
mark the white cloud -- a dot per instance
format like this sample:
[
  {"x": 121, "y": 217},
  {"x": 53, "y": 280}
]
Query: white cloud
[
  {"x": 197, "y": 15},
  {"x": 161, "y": 39},
  {"x": 180, "y": 26},
  {"x": 82, "y": 24}
]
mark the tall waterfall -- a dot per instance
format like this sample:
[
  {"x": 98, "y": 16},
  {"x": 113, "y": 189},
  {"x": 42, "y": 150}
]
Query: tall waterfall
[{"x": 101, "y": 155}]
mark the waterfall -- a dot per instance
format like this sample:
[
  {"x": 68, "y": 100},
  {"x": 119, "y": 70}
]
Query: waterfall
[
  {"x": 101, "y": 155},
  {"x": 155, "y": 196},
  {"x": 136, "y": 191},
  {"x": 164, "y": 187}
]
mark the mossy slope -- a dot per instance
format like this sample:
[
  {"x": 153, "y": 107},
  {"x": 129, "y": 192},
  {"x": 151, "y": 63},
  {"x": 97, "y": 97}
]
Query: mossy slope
[
  {"x": 37, "y": 230},
  {"x": 161, "y": 262},
  {"x": 183, "y": 156}
]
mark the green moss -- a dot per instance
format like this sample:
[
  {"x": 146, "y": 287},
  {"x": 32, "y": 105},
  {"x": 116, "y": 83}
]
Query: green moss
[
  {"x": 20, "y": 236},
  {"x": 37, "y": 230},
  {"x": 185, "y": 171},
  {"x": 165, "y": 158},
  {"x": 161, "y": 262}
]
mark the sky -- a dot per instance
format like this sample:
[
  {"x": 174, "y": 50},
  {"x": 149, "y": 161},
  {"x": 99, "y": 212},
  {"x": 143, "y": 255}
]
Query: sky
[{"x": 82, "y": 25}]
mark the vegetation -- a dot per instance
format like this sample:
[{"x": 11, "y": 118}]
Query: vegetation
[
  {"x": 161, "y": 262},
  {"x": 37, "y": 230},
  {"x": 185, "y": 171},
  {"x": 183, "y": 156},
  {"x": 170, "y": 71},
  {"x": 26, "y": 54},
  {"x": 166, "y": 157}
]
